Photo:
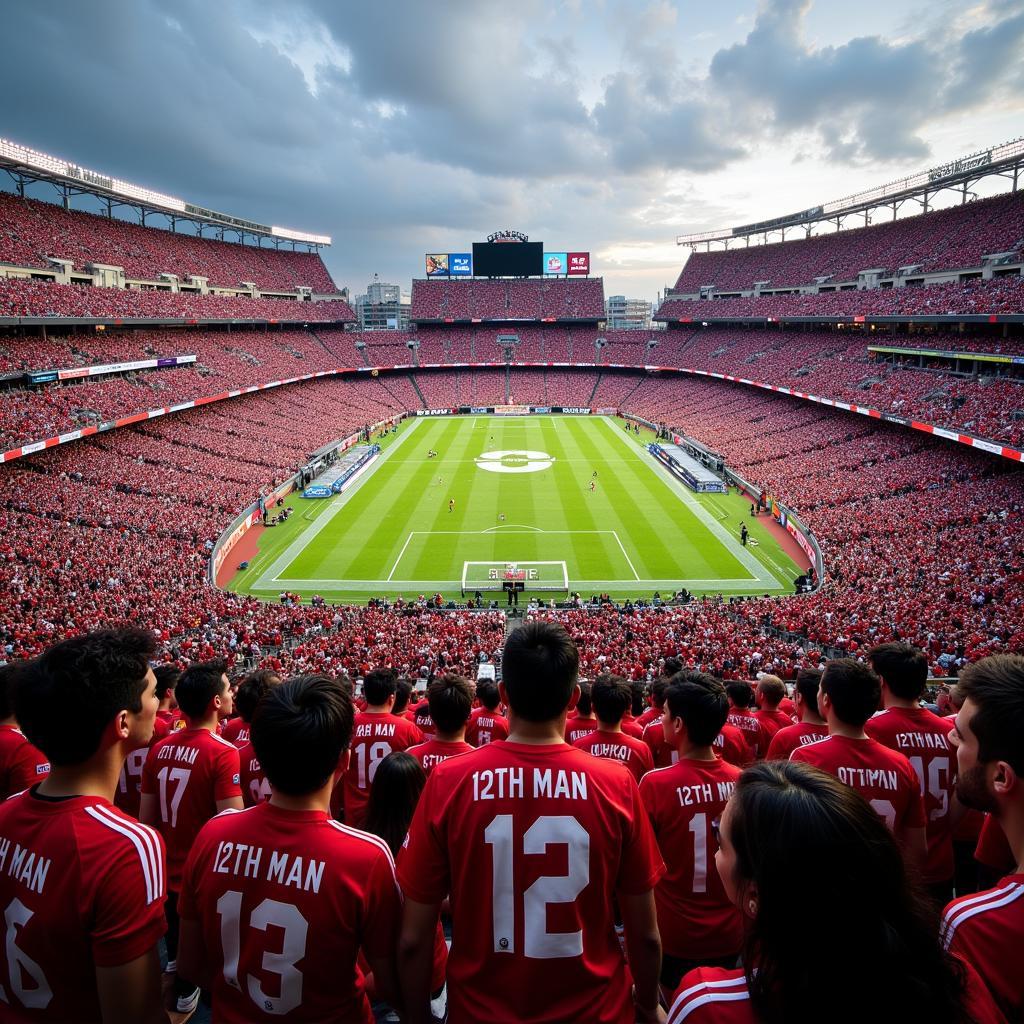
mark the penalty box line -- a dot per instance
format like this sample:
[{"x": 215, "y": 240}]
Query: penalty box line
[{"x": 532, "y": 531}]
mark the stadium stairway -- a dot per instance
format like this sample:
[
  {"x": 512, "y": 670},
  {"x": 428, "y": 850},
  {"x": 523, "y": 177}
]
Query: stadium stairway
[
  {"x": 597, "y": 384},
  {"x": 416, "y": 388}
]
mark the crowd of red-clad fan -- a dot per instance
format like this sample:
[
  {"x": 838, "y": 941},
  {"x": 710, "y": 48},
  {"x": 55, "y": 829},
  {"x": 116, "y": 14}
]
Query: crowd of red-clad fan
[
  {"x": 35, "y": 232},
  {"x": 955, "y": 237},
  {"x": 921, "y": 540},
  {"x": 532, "y": 299},
  {"x": 168, "y": 808},
  {"x": 20, "y": 297},
  {"x": 998, "y": 295}
]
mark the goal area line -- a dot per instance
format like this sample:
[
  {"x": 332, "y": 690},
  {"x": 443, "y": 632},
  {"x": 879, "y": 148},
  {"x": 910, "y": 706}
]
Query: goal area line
[{"x": 498, "y": 574}]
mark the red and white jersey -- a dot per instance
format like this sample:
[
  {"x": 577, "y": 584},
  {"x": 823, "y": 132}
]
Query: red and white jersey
[
  {"x": 617, "y": 746},
  {"x": 711, "y": 995},
  {"x": 885, "y": 778},
  {"x": 486, "y": 726},
  {"x": 747, "y": 722},
  {"x": 433, "y": 752},
  {"x": 374, "y": 736},
  {"x": 188, "y": 772},
  {"x": 662, "y": 753},
  {"x": 21, "y": 764},
  {"x": 987, "y": 930},
  {"x": 793, "y": 737},
  {"x": 254, "y": 784},
  {"x": 284, "y": 900},
  {"x": 993, "y": 849},
  {"x": 168, "y": 722},
  {"x": 731, "y": 745},
  {"x": 631, "y": 727},
  {"x": 923, "y": 738},
  {"x": 237, "y": 732},
  {"x": 576, "y": 728},
  {"x": 771, "y": 722},
  {"x": 551, "y": 833},
  {"x": 81, "y": 886},
  {"x": 695, "y": 917}
]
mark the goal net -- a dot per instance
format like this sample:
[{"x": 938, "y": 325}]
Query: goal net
[{"x": 532, "y": 575}]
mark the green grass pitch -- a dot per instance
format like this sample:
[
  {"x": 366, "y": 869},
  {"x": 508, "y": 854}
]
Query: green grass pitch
[{"x": 638, "y": 530}]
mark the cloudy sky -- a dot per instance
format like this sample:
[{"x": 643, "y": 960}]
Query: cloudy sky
[{"x": 401, "y": 128}]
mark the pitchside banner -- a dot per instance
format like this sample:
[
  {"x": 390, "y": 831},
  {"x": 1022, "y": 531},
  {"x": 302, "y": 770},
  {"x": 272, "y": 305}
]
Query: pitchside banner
[{"x": 579, "y": 263}]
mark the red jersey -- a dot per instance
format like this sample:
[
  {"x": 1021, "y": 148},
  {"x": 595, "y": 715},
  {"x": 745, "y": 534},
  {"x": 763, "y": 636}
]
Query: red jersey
[
  {"x": 167, "y": 721},
  {"x": 885, "y": 778},
  {"x": 486, "y": 726},
  {"x": 631, "y": 728},
  {"x": 662, "y": 753},
  {"x": 731, "y": 745},
  {"x": 695, "y": 917},
  {"x": 374, "y": 736},
  {"x": 785, "y": 741},
  {"x": 788, "y": 708},
  {"x": 254, "y": 784},
  {"x": 772, "y": 721},
  {"x": 21, "y": 764},
  {"x": 993, "y": 849},
  {"x": 551, "y": 832},
  {"x": 577, "y": 728},
  {"x": 617, "y": 746},
  {"x": 987, "y": 930},
  {"x": 82, "y": 886},
  {"x": 747, "y": 722},
  {"x": 923, "y": 738},
  {"x": 645, "y": 718},
  {"x": 423, "y": 721},
  {"x": 237, "y": 732},
  {"x": 284, "y": 900},
  {"x": 433, "y": 752},
  {"x": 711, "y": 995},
  {"x": 188, "y": 771},
  {"x": 128, "y": 794}
]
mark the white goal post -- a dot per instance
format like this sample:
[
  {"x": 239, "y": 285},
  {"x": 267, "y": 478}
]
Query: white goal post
[{"x": 494, "y": 575}]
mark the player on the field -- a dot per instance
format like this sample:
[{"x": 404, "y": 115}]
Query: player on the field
[
  {"x": 847, "y": 696},
  {"x": 451, "y": 504},
  {"x": 798, "y": 847},
  {"x": 450, "y": 699},
  {"x": 82, "y": 885},
  {"x": 987, "y": 928},
  {"x": 277, "y": 900},
  {"x": 486, "y": 723},
  {"x": 190, "y": 776},
  {"x": 699, "y": 925},
  {"x": 551, "y": 834},
  {"x": 812, "y": 726},
  {"x": 924, "y": 739},
  {"x": 593, "y": 486},
  {"x": 611, "y": 696},
  {"x": 21, "y": 764},
  {"x": 376, "y": 734}
]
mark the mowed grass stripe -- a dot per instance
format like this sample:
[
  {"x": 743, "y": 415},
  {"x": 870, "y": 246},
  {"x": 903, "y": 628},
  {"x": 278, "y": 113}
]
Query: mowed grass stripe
[
  {"x": 633, "y": 506},
  {"x": 686, "y": 545},
  {"x": 590, "y": 555}
]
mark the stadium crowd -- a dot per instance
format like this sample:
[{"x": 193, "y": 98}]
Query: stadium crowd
[
  {"x": 21, "y": 297},
  {"x": 643, "y": 853},
  {"x": 36, "y": 232},
  {"x": 951, "y": 238}
]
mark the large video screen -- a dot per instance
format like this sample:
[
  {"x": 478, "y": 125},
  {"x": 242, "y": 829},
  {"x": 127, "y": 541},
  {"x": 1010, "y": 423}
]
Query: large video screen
[{"x": 508, "y": 259}]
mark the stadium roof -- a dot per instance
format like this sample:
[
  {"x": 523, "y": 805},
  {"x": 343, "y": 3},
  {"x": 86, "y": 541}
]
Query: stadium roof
[
  {"x": 1005, "y": 160},
  {"x": 25, "y": 164}
]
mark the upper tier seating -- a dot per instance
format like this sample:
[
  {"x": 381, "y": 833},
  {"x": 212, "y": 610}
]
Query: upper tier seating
[
  {"x": 31, "y": 232},
  {"x": 941, "y": 240},
  {"x": 562, "y": 299}
]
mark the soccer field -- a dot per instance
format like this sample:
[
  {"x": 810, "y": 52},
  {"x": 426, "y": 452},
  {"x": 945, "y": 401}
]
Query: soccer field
[{"x": 516, "y": 489}]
